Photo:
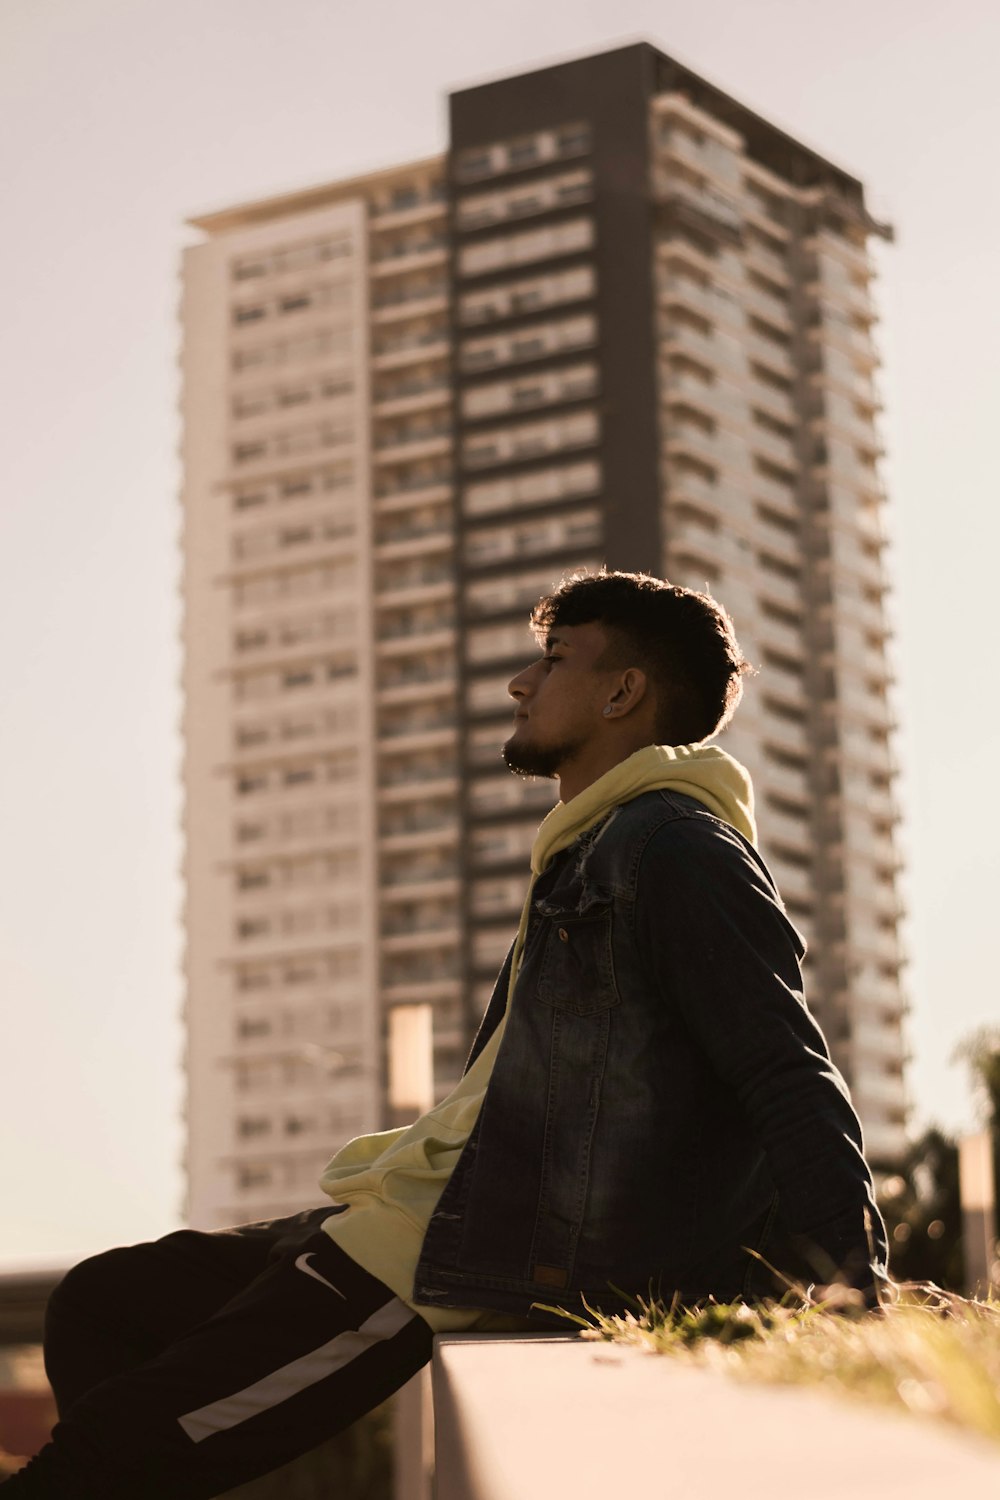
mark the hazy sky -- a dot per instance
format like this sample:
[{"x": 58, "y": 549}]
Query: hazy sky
[{"x": 118, "y": 118}]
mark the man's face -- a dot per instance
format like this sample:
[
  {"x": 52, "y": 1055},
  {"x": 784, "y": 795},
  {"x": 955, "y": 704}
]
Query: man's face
[{"x": 560, "y": 699}]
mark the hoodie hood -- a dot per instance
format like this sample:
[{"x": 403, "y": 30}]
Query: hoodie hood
[{"x": 704, "y": 772}]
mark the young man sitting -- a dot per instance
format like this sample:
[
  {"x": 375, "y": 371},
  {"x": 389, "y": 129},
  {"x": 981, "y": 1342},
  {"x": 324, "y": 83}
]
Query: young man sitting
[{"x": 649, "y": 1105}]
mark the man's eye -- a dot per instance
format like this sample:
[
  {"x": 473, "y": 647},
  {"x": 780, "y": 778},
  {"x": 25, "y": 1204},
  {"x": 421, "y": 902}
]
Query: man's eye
[{"x": 551, "y": 659}]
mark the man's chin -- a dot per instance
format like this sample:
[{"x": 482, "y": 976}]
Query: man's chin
[{"x": 530, "y": 760}]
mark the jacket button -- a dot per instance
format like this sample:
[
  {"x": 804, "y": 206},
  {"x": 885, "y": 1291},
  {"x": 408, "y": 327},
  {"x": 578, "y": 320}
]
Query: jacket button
[{"x": 564, "y": 935}]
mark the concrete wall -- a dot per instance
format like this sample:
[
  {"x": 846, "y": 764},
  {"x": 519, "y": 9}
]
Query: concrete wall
[{"x": 536, "y": 1418}]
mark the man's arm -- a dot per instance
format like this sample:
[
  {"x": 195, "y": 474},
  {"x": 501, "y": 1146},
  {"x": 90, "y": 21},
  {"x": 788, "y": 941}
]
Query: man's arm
[{"x": 720, "y": 949}]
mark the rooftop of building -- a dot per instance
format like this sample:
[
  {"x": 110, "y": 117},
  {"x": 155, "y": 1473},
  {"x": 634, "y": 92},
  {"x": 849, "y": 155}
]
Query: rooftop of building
[{"x": 765, "y": 142}]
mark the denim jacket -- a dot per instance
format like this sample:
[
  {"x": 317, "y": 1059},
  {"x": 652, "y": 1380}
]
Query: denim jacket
[{"x": 662, "y": 1104}]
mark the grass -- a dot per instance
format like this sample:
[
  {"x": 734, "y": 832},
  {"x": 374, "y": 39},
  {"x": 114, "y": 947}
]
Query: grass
[{"x": 929, "y": 1352}]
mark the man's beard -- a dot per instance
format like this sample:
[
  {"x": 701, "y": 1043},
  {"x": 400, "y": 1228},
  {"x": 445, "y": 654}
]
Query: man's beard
[{"x": 526, "y": 759}]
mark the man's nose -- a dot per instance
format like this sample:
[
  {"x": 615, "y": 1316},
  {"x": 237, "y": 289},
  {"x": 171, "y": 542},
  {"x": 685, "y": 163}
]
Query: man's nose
[{"x": 520, "y": 686}]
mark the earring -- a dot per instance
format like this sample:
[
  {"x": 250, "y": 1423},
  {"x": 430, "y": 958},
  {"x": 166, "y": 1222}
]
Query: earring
[{"x": 608, "y": 710}]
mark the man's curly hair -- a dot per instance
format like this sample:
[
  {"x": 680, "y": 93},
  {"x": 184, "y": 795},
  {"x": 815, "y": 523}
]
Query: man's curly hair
[{"x": 683, "y": 640}]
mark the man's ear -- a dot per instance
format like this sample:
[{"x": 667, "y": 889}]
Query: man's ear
[
  {"x": 629, "y": 695},
  {"x": 633, "y": 690}
]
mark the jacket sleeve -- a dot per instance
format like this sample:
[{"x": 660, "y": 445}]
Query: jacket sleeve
[{"x": 718, "y": 947}]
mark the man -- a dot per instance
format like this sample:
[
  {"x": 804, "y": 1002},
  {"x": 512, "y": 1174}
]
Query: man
[{"x": 648, "y": 1106}]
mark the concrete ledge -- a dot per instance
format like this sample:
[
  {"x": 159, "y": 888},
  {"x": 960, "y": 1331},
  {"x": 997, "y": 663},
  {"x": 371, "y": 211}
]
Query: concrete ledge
[{"x": 523, "y": 1417}]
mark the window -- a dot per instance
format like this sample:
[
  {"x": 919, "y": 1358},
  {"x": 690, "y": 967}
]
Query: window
[
  {"x": 570, "y": 383},
  {"x": 530, "y": 439},
  {"x": 244, "y": 270},
  {"x": 520, "y": 590},
  {"x": 472, "y": 164},
  {"x": 528, "y": 294},
  {"x": 520, "y": 153},
  {"x": 773, "y": 425},
  {"x": 248, "y": 1027},
  {"x": 550, "y": 192},
  {"x": 773, "y": 472},
  {"x": 253, "y": 1177},
  {"x": 778, "y": 519},
  {"x": 535, "y": 244},
  {"x": 572, "y": 140},
  {"x": 767, "y": 331},
  {"x": 251, "y": 782},
  {"x": 769, "y": 378}
]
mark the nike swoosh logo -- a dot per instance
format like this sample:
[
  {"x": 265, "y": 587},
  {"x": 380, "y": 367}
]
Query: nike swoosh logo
[{"x": 302, "y": 1264}]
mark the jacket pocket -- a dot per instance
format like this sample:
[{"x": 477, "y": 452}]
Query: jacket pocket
[{"x": 576, "y": 970}]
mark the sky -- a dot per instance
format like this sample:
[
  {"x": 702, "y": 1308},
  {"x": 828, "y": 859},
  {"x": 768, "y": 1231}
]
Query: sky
[{"x": 121, "y": 118}]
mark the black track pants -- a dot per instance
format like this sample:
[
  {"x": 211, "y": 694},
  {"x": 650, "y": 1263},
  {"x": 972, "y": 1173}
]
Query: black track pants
[{"x": 184, "y": 1367}]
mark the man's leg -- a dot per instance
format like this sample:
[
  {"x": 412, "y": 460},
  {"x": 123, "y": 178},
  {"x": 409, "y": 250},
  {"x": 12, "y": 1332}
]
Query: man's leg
[
  {"x": 308, "y": 1347},
  {"x": 116, "y": 1310}
]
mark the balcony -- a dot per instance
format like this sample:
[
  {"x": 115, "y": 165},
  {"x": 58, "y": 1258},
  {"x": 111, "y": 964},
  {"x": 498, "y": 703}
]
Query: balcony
[
  {"x": 856, "y": 342},
  {"x": 419, "y": 830},
  {"x": 709, "y": 209},
  {"x": 788, "y": 735},
  {"x": 845, "y": 296},
  {"x": 407, "y": 679},
  {"x": 772, "y": 445},
  {"x": 412, "y": 302},
  {"x": 709, "y": 301},
  {"x": 409, "y": 255},
  {"x": 882, "y": 1089},
  {"x": 426, "y": 587},
  {"x": 427, "y": 441},
  {"x": 408, "y": 626},
  {"x": 759, "y": 258},
  {"x": 776, "y": 403},
  {"x": 433, "y": 542},
  {"x": 773, "y": 310},
  {"x": 410, "y": 208},
  {"x": 780, "y": 829},
  {"x": 420, "y": 775},
  {"x": 419, "y": 888},
  {"x": 419, "y": 874},
  {"x": 885, "y": 1142},
  {"x": 681, "y": 338},
  {"x": 416, "y": 723},
  {"x": 390, "y": 352},
  {"x": 683, "y": 484},
  {"x": 405, "y": 397},
  {"x": 403, "y": 534},
  {"x": 781, "y": 637},
  {"x": 786, "y": 592},
  {"x": 425, "y": 991},
  {"x": 854, "y": 257},
  {"x": 706, "y": 156},
  {"x": 794, "y": 883},
  {"x": 770, "y": 354},
  {"x": 785, "y": 780},
  {"x": 407, "y": 937},
  {"x": 426, "y": 485}
]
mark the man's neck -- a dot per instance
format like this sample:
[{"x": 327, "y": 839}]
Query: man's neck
[{"x": 579, "y": 774}]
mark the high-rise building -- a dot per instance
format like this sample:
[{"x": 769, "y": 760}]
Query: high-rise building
[{"x": 622, "y": 320}]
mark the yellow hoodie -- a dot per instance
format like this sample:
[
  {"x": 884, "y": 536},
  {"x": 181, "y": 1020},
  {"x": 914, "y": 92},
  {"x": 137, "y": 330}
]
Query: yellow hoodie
[{"x": 391, "y": 1182}]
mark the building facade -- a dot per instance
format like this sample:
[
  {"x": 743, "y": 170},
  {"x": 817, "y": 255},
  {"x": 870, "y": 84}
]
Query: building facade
[{"x": 622, "y": 320}]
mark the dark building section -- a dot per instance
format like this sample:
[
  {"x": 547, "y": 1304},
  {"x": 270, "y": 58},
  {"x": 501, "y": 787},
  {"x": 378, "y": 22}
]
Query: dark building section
[
  {"x": 557, "y": 421},
  {"x": 662, "y": 361}
]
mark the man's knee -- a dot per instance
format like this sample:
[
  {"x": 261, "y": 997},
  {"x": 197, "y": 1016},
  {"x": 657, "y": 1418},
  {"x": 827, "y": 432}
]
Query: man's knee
[{"x": 90, "y": 1286}]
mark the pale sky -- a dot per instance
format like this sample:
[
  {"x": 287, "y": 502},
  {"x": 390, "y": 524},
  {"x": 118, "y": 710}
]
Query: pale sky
[{"x": 118, "y": 119}]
